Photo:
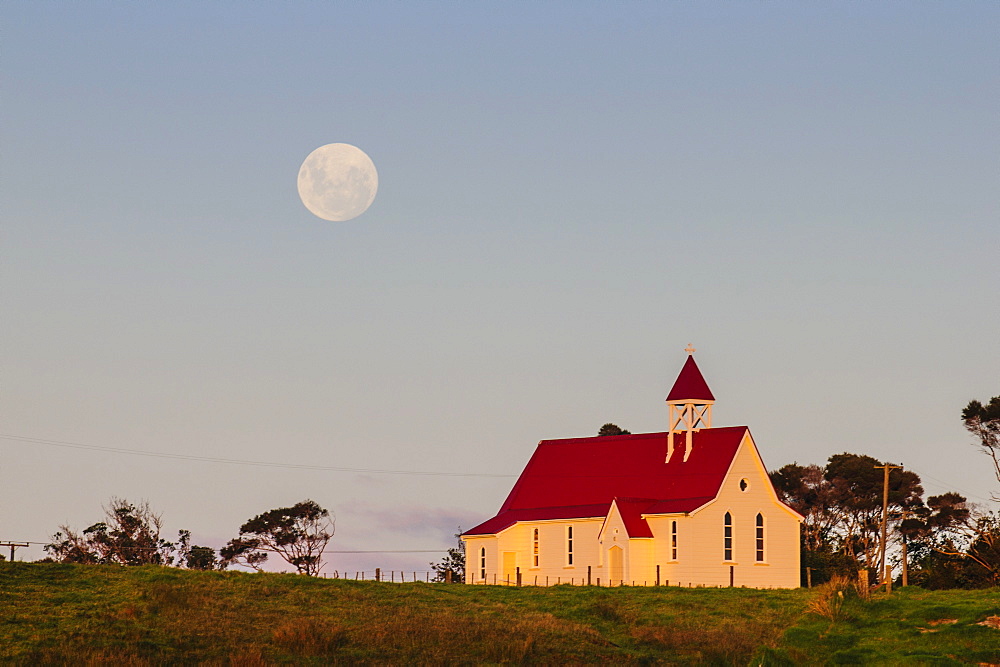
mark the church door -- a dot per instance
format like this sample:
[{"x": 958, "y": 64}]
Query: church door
[
  {"x": 615, "y": 569},
  {"x": 509, "y": 567}
]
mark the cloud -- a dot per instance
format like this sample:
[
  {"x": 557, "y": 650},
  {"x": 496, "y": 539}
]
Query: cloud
[{"x": 437, "y": 523}]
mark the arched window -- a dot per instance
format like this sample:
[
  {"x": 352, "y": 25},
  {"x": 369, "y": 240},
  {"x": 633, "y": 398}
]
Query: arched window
[
  {"x": 727, "y": 540},
  {"x": 535, "y": 547},
  {"x": 673, "y": 540},
  {"x": 760, "y": 537},
  {"x": 569, "y": 545},
  {"x": 482, "y": 563}
]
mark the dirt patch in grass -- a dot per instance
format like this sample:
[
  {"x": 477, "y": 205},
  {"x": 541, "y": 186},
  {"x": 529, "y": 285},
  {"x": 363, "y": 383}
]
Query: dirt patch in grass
[
  {"x": 991, "y": 622},
  {"x": 935, "y": 623}
]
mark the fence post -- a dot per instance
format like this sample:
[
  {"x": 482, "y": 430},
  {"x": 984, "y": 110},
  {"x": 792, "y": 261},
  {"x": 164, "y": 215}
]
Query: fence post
[
  {"x": 447, "y": 576},
  {"x": 809, "y": 577},
  {"x": 588, "y": 575},
  {"x": 657, "y": 575},
  {"x": 863, "y": 579},
  {"x": 732, "y": 575},
  {"x": 518, "y": 573},
  {"x": 378, "y": 574}
]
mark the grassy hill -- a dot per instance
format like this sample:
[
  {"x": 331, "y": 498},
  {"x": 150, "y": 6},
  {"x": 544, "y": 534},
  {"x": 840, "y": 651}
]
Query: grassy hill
[{"x": 152, "y": 615}]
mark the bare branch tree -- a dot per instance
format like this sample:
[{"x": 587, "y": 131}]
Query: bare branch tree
[{"x": 129, "y": 535}]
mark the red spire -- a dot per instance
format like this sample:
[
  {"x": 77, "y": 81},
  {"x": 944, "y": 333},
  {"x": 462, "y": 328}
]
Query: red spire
[{"x": 690, "y": 385}]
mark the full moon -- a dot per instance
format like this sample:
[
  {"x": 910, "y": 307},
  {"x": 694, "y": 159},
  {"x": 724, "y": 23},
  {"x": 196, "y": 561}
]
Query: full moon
[{"x": 337, "y": 182}]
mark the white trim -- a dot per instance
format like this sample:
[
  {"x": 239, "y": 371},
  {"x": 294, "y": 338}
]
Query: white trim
[
  {"x": 770, "y": 485},
  {"x": 763, "y": 470},
  {"x": 525, "y": 522}
]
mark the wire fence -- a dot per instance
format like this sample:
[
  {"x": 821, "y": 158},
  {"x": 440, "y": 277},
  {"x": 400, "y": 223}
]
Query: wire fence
[
  {"x": 542, "y": 580},
  {"x": 390, "y": 576}
]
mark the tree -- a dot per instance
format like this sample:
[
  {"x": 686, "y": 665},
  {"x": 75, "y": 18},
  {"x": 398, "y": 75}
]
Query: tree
[
  {"x": 957, "y": 545},
  {"x": 454, "y": 560},
  {"x": 983, "y": 421},
  {"x": 857, "y": 494},
  {"x": 195, "y": 557},
  {"x": 129, "y": 535},
  {"x": 612, "y": 429},
  {"x": 842, "y": 506},
  {"x": 298, "y": 534},
  {"x": 807, "y": 490},
  {"x": 949, "y": 542}
]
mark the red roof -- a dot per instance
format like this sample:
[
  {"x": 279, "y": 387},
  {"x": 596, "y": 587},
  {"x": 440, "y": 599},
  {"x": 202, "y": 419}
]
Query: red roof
[
  {"x": 579, "y": 477},
  {"x": 690, "y": 384},
  {"x": 507, "y": 519},
  {"x": 632, "y": 510}
]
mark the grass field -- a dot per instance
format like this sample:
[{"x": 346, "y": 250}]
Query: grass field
[{"x": 53, "y": 613}]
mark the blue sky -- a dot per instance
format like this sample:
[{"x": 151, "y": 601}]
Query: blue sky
[{"x": 569, "y": 194}]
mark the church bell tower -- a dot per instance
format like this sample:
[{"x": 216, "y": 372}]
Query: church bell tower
[{"x": 690, "y": 401}]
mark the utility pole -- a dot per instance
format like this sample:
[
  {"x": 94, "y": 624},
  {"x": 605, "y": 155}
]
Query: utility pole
[
  {"x": 885, "y": 510},
  {"x": 13, "y": 545},
  {"x": 905, "y": 515}
]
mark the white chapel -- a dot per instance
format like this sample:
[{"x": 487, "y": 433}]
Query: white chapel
[{"x": 691, "y": 506}]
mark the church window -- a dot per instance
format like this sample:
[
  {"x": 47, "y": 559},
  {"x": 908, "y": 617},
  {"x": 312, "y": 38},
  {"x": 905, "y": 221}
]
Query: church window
[
  {"x": 760, "y": 538},
  {"x": 673, "y": 540},
  {"x": 569, "y": 545},
  {"x": 535, "y": 548},
  {"x": 727, "y": 536},
  {"x": 482, "y": 563},
  {"x": 744, "y": 485}
]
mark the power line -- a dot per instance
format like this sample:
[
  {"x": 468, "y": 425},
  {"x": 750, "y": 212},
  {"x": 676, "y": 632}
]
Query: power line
[
  {"x": 392, "y": 551},
  {"x": 246, "y": 462},
  {"x": 951, "y": 487},
  {"x": 362, "y": 551}
]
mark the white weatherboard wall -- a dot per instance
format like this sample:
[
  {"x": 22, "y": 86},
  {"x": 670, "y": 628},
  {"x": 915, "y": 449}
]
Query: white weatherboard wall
[
  {"x": 700, "y": 535},
  {"x": 552, "y": 566}
]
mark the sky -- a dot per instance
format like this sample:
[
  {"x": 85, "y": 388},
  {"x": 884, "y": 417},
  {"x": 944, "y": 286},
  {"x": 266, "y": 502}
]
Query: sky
[{"x": 569, "y": 194}]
